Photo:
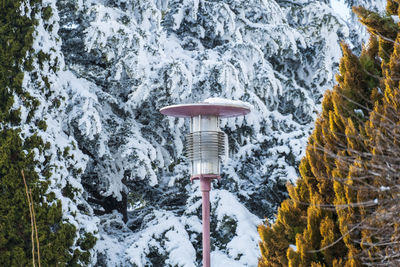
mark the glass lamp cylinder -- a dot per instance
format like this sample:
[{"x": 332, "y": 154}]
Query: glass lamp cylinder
[{"x": 206, "y": 145}]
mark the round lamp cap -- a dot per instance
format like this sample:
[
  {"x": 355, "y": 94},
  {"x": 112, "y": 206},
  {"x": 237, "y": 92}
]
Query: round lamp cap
[{"x": 205, "y": 109}]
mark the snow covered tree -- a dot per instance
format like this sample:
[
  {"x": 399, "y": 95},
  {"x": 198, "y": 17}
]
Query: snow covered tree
[
  {"x": 100, "y": 70},
  {"x": 31, "y": 220},
  {"x": 133, "y": 57},
  {"x": 126, "y": 59}
]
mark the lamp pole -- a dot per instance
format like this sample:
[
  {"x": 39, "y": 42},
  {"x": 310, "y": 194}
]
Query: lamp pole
[{"x": 206, "y": 147}]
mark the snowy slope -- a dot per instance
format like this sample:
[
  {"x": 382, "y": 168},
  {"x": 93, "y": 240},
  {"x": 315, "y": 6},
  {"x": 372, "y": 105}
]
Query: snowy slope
[{"x": 121, "y": 61}]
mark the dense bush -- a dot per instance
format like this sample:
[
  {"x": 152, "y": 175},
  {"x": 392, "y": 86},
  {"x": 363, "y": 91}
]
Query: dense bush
[{"x": 343, "y": 209}]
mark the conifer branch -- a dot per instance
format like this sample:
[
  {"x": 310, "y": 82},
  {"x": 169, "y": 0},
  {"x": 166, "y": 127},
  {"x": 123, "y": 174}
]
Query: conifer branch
[
  {"x": 386, "y": 38},
  {"x": 337, "y": 240}
]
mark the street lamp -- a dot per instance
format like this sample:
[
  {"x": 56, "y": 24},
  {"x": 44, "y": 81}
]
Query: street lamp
[{"x": 206, "y": 147}]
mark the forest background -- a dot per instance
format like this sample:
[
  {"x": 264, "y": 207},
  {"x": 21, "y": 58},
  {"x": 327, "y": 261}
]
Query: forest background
[{"x": 85, "y": 151}]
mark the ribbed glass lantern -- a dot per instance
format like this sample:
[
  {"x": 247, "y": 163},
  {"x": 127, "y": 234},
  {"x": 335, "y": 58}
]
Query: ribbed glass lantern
[{"x": 206, "y": 146}]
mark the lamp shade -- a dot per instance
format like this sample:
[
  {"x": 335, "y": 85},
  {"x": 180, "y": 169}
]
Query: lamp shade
[{"x": 206, "y": 145}]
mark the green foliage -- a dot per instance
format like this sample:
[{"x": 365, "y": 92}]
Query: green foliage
[
  {"x": 66, "y": 151},
  {"x": 392, "y": 7},
  {"x": 85, "y": 245},
  {"x": 69, "y": 191},
  {"x": 42, "y": 125},
  {"x": 47, "y": 13},
  {"x": 87, "y": 242},
  {"x": 56, "y": 236},
  {"x": 383, "y": 27},
  {"x": 15, "y": 227}
]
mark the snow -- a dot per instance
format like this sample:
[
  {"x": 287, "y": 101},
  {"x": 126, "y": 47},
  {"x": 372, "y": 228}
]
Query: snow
[
  {"x": 219, "y": 100},
  {"x": 248, "y": 53},
  {"x": 359, "y": 112},
  {"x": 219, "y": 258},
  {"x": 70, "y": 26},
  {"x": 246, "y": 230},
  {"x": 85, "y": 107},
  {"x": 174, "y": 236},
  {"x": 65, "y": 169},
  {"x": 178, "y": 17},
  {"x": 384, "y": 188},
  {"x": 342, "y": 9}
]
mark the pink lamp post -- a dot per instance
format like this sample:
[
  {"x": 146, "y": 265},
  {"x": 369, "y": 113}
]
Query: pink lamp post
[{"x": 206, "y": 146}]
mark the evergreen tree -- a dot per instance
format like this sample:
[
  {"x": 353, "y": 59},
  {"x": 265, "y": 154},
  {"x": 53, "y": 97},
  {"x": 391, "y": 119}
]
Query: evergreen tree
[
  {"x": 334, "y": 206},
  {"x": 20, "y": 153},
  {"x": 380, "y": 166}
]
